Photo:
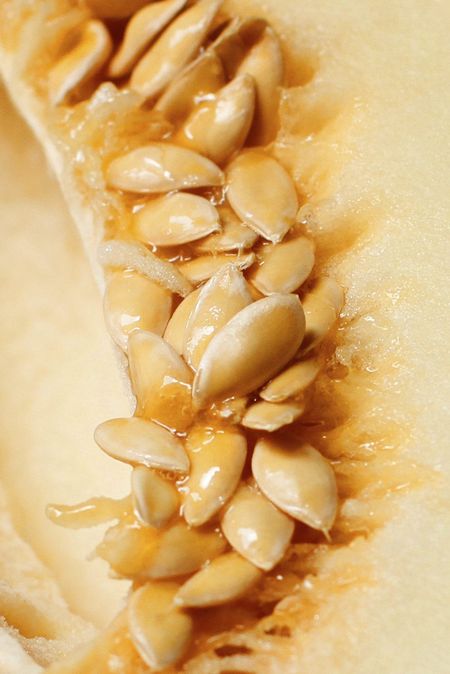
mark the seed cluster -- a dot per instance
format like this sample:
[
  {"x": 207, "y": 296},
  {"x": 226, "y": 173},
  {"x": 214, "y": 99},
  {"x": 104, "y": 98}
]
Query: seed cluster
[{"x": 219, "y": 346}]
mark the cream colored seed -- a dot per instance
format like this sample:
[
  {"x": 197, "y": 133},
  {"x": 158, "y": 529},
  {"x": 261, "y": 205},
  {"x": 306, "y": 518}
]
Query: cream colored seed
[
  {"x": 162, "y": 167},
  {"x": 283, "y": 267},
  {"x": 176, "y": 47},
  {"x": 218, "y": 128},
  {"x": 297, "y": 479},
  {"x": 256, "y": 529},
  {"x": 155, "y": 500},
  {"x": 265, "y": 64},
  {"x": 231, "y": 44},
  {"x": 202, "y": 77},
  {"x": 269, "y": 417},
  {"x": 292, "y": 382},
  {"x": 135, "y": 256},
  {"x": 227, "y": 578},
  {"x": 138, "y": 441},
  {"x": 133, "y": 302},
  {"x": 160, "y": 632},
  {"x": 81, "y": 63},
  {"x": 181, "y": 550},
  {"x": 204, "y": 267},
  {"x": 250, "y": 349},
  {"x": 322, "y": 307},
  {"x": 262, "y": 194},
  {"x": 175, "y": 219},
  {"x": 161, "y": 381},
  {"x": 143, "y": 27},
  {"x": 217, "y": 458},
  {"x": 176, "y": 327},
  {"x": 115, "y": 9},
  {"x": 234, "y": 235},
  {"x": 221, "y": 298}
]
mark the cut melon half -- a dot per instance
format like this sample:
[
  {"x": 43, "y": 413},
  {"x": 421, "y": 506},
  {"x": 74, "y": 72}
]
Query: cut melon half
[{"x": 361, "y": 130}]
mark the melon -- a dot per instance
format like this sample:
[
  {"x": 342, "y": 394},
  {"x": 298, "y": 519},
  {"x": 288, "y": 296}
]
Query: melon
[{"x": 363, "y": 130}]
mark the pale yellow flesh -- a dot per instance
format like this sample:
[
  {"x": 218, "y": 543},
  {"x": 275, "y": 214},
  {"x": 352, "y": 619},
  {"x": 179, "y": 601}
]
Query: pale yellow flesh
[
  {"x": 58, "y": 375},
  {"x": 377, "y": 165}
]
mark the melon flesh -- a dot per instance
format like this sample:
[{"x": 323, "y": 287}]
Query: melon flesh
[{"x": 366, "y": 136}]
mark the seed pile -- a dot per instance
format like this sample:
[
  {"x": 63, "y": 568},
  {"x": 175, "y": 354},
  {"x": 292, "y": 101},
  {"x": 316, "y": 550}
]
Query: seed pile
[{"x": 203, "y": 298}]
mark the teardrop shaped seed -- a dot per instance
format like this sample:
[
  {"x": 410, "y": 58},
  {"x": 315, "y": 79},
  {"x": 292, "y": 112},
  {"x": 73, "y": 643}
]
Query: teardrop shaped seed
[
  {"x": 176, "y": 327},
  {"x": 270, "y": 212},
  {"x": 155, "y": 500},
  {"x": 181, "y": 550},
  {"x": 217, "y": 458},
  {"x": 81, "y": 63},
  {"x": 264, "y": 63},
  {"x": 161, "y": 381},
  {"x": 202, "y": 268},
  {"x": 270, "y": 417},
  {"x": 225, "y": 579},
  {"x": 255, "y": 345},
  {"x": 298, "y": 479},
  {"x": 283, "y": 267},
  {"x": 142, "y": 28},
  {"x": 234, "y": 235},
  {"x": 162, "y": 167},
  {"x": 256, "y": 529},
  {"x": 133, "y": 302},
  {"x": 174, "y": 49},
  {"x": 231, "y": 45},
  {"x": 221, "y": 298},
  {"x": 217, "y": 128},
  {"x": 133, "y": 255},
  {"x": 197, "y": 81},
  {"x": 138, "y": 441},
  {"x": 159, "y": 630},
  {"x": 175, "y": 219},
  {"x": 291, "y": 382},
  {"x": 322, "y": 307}
]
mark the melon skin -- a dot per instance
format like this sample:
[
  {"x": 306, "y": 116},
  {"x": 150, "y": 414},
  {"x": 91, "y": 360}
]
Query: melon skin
[{"x": 375, "y": 175}]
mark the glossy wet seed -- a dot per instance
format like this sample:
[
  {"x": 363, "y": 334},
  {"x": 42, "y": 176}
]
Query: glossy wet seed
[
  {"x": 283, "y": 267},
  {"x": 220, "y": 299},
  {"x": 138, "y": 441},
  {"x": 155, "y": 500},
  {"x": 174, "y": 49},
  {"x": 297, "y": 479},
  {"x": 161, "y": 381},
  {"x": 142, "y": 28},
  {"x": 133, "y": 302},
  {"x": 256, "y": 529},
  {"x": 217, "y": 128},
  {"x": 269, "y": 417},
  {"x": 162, "y": 167},
  {"x": 292, "y": 382},
  {"x": 176, "y": 327},
  {"x": 264, "y": 63},
  {"x": 322, "y": 307},
  {"x": 234, "y": 235},
  {"x": 87, "y": 57},
  {"x": 250, "y": 349},
  {"x": 181, "y": 550},
  {"x": 175, "y": 219},
  {"x": 159, "y": 630},
  {"x": 270, "y": 212},
  {"x": 217, "y": 458},
  {"x": 202, "y": 268},
  {"x": 225, "y": 579},
  {"x": 133, "y": 255},
  {"x": 196, "y": 82}
]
